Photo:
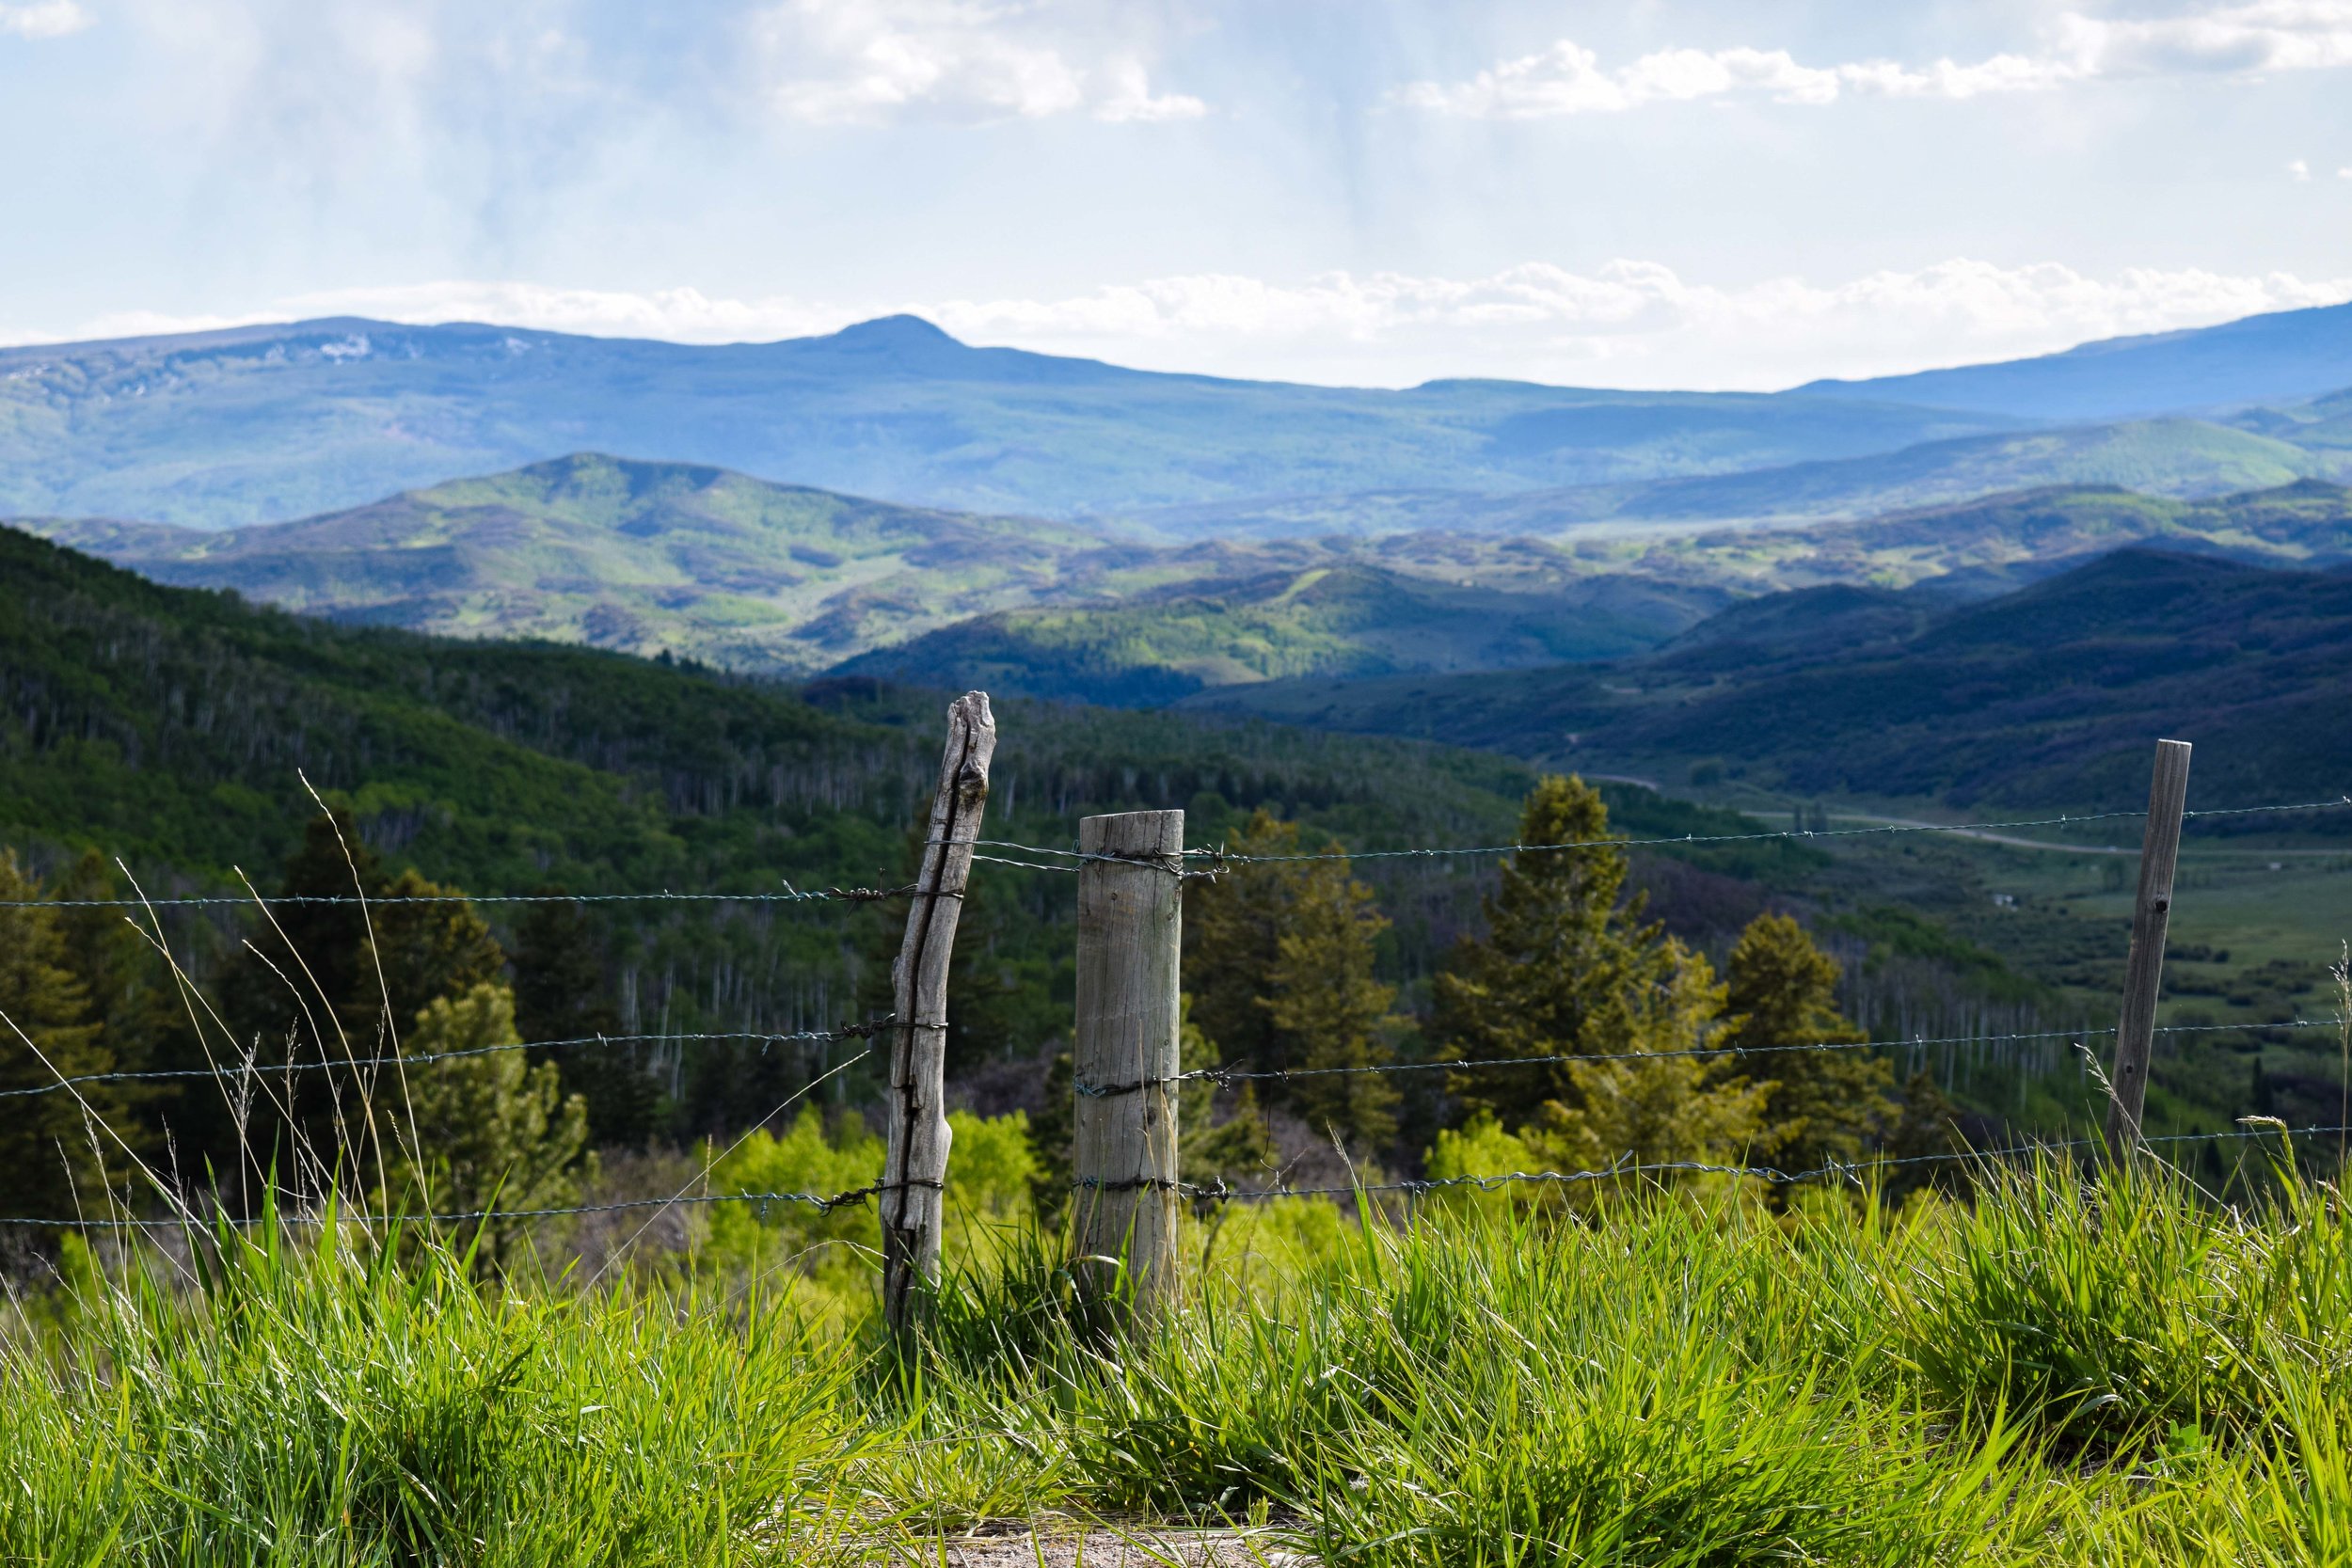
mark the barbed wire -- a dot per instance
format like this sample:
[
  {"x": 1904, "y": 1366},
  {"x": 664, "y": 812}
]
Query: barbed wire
[
  {"x": 791, "y": 895},
  {"x": 1220, "y": 857},
  {"x": 822, "y": 1203},
  {"x": 1223, "y": 857},
  {"x": 1854, "y": 1169},
  {"x": 1227, "y": 1077},
  {"x": 1219, "y": 1193},
  {"x": 327, "y": 1064}
]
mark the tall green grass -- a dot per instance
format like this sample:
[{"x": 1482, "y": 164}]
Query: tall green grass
[{"x": 2064, "y": 1371}]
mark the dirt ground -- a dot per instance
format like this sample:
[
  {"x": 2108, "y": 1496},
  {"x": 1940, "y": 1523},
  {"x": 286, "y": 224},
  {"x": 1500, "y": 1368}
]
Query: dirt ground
[{"x": 1076, "y": 1546}]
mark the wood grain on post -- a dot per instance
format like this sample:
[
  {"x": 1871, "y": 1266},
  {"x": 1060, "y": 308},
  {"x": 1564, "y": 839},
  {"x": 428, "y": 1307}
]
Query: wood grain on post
[
  {"x": 1130, "y": 924},
  {"x": 2160, "y": 852},
  {"x": 915, "y": 1171}
]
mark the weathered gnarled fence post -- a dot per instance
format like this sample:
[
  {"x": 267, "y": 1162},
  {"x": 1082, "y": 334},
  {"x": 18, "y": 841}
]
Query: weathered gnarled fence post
[{"x": 915, "y": 1171}]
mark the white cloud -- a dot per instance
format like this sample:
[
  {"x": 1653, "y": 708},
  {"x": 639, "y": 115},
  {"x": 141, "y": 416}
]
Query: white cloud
[
  {"x": 834, "y": 62},
  {"x": 2299, "y": 170},
  {"x": 1629, "y": 324},
  {"x": 2267, "y": 37},
  {"x": 43, "y": 19}
]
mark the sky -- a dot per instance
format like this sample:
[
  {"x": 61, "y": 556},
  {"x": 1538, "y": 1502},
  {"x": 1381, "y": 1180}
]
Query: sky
[{"x": 1369, "y": 192}]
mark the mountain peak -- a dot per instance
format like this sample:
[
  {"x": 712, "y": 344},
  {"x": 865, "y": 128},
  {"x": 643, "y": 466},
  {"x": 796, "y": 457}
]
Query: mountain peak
[{"x": 898, "y": 334}]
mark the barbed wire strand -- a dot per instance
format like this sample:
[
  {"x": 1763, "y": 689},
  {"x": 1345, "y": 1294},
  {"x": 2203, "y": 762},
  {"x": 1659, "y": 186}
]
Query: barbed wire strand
[
  {"x": 791, "y": 896},
  {"x": 1772, "y": 835},
  {"x": 825, "y": 1203},
  {"x": 847, "y": 1032},
  {"x": 1854, "y": 1169},
  {"x": 1226, "y": 1077},
  {"x": 1222, "y": 857}
]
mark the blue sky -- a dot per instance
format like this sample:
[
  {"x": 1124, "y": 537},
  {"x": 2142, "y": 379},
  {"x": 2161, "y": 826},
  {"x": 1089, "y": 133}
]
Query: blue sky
[{"x": 1654, "y": 194}]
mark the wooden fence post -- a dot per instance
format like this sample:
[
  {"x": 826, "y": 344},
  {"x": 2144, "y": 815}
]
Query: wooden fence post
[
  {"x": 1130, "y": 924},
  {"x": 2159, "y": 853},
  {"x": 914, "y": 1172}
]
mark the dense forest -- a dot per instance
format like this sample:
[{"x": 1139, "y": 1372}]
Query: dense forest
[{"x": 161, "y": 743}]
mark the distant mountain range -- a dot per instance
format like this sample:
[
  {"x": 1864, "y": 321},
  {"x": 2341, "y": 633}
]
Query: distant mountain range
[
  {"x": 262, "y": 423},
  {"x": 2048, "y": 695},
  {"x": 2285, "y": 356}
]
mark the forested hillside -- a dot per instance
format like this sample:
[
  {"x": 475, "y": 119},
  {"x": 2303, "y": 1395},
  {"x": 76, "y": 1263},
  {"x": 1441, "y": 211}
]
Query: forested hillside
[
  {"x": 175, "y": 728},
  {"x": 652, "y": 558},
  {"x": 2047, "y": 696},
  {"x": 1344, "y": 622}
]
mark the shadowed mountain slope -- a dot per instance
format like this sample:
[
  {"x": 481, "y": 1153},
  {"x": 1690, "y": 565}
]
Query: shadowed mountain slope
[
  {"x": 2048, "y": 695},
  {"x": 1347, "y": 621}
]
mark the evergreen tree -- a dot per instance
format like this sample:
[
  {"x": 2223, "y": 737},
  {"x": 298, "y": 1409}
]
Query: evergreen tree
[
  {"x": 49, "y": 1167},
  {"x": 1567, "y": 966},
  {"x": 1232, "y": 929},
  {"x": 562, "y": 992},
  {"x": 431, "y": 942},
  {"x": 1651, "y": 1112},
  {"x": 1208, "y": 1150},
  {"x": 1053, "y": 1134},
  {"x": 307, "y": 975},
  {"x": 1924, "y": 1127},
  {"x": 492, "y": 1130},
  {"x": 1329, "y": 1009},
  {"x": 1825, "y": 1104}
]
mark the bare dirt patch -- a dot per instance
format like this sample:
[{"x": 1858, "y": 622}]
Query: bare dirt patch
[{"x": 1073, "y": 1546}]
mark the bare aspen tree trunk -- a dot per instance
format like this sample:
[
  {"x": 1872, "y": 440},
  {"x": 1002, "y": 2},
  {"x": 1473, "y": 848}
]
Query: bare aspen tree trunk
[{"x": 914, "y": 1173}]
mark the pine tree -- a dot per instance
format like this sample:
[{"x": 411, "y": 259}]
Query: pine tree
[
  {"x": 1232, "y": 927},
  {"x": 431, "y": 943},
  {"x": 1208, "y": 1150},
  {"x": 50, "y": 1166},
  {"x": 1651, "y": 1112},
  {"x": 307, "y": 975},
  {"x": 1566, "y": 966},
  {"x": 1332, "y": 1013},
  {"x": 1826, "y": 1104},
  {"x": 1924, "y": 1128},
  {"x": 562, "y": 992},
  {"x": 1569, "y": 969},
  {"x": 491, "y": 1128}
]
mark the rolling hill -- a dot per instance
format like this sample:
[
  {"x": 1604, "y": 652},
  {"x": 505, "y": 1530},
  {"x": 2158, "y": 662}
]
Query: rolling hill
[
  {"x": 1343, "y": 621},
  {"x": 652, "y": 558},
  {"x": 639, "y": 557},
  {"x": 2164, "y": 457},
  {"x": 1974, "y": 549},
  {"x": 255, "y": 424},
  {"x": 2049, "y": 695}
]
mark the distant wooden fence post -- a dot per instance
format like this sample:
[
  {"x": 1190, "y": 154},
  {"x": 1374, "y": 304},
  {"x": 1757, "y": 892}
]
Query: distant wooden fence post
[
  {"x": 2159, "y": 853},
  {"x": 1130, "y": 924},
  {"x": 915, "y": 1171}
]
